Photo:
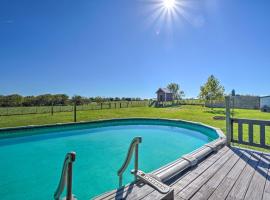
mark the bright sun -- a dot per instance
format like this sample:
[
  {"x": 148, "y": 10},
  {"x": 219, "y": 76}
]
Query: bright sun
[{"x": 169, "y": 4}]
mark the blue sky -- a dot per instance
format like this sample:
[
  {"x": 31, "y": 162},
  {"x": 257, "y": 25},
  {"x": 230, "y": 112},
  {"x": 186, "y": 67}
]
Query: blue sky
[{"x": 125, "y": 48}]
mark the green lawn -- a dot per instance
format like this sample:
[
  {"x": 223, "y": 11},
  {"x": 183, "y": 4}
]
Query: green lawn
[{"x": 191, "y": 113}]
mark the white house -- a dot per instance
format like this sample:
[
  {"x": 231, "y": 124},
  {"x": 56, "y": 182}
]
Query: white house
[{"x": 265, "y": 103}]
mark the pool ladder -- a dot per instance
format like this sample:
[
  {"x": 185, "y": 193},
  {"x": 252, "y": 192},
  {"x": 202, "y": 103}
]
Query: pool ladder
[
  {"x": 133, "y": 146},
  {"x": 66, "y": 178}
]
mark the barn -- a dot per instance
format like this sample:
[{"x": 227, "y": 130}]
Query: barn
[{"x": 164, "y": 94}]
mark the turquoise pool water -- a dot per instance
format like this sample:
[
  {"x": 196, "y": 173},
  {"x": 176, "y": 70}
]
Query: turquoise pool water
[{"x": 31, "y": 160}]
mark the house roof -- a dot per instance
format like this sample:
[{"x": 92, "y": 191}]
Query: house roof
[
  {"x": 165, "y": 90},
  {"x": 265, "y": 97}
]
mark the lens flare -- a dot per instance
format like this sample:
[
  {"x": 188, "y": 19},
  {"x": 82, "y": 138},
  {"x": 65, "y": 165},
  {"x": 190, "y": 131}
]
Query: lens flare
[{"x": 169, "y": 4}]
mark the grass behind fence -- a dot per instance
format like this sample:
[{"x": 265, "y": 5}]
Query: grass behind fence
[{"x": 8, "y": 111}]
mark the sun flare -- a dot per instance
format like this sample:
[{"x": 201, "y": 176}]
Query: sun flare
[
  {"x": 166, "y": 15},
  {"x": 169, "y": 4}
]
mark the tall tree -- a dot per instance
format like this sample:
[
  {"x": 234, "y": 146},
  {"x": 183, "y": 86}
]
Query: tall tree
[
  {"x": 212, "y": 90},
  {"x": 175, "y": 89}
]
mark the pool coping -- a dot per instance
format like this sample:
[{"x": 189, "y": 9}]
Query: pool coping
[
  {"x": 169, "y": 170},
  {"x": 218, "y": 131}
]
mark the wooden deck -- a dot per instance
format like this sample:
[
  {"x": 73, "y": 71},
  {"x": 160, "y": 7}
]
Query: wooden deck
[{"x": 231, "y": 173}]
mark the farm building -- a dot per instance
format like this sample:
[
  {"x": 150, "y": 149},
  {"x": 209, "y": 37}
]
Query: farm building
[
  {"x": 265, "y": 103},
  {"x": 164, "y": 94}
]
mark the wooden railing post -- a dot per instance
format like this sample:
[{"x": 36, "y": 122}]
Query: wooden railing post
[
  {"x": 228, "y": 121},
  {"x": 262, "y": 135}
]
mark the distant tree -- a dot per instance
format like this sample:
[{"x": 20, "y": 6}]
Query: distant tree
[
  {"x": 29, "y": 101},
  {"x": 44, "y": 100},
  {"x": 99, "y": 99},
  {"x": 175, "y": 89},
  {"x": 60, "y": 99},
  {"x": 77, "y": 99},
  {"x": 12, "y": 100},
  {"x": 211, "y": 90}
]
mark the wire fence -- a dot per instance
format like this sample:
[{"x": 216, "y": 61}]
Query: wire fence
[{"x": 8, "y": 111}]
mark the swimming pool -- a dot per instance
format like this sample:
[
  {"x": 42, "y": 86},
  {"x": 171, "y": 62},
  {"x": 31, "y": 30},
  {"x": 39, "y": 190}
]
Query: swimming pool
[{"x": 32, "y": 158}]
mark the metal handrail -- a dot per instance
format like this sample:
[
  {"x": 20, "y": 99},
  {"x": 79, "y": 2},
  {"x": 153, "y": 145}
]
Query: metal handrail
[
  {"x": 134, "y": 144},
  {"x": 66, "y": 177}
]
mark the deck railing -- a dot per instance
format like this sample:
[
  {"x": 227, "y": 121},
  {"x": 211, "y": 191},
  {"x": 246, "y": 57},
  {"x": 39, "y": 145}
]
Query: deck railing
[{"x": 231, "y": 130}]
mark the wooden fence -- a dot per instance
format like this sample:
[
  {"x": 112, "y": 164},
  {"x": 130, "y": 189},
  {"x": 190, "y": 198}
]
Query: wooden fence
[
  {"x": 70, "y": 108},
  {"x": 235, "y": 130}
]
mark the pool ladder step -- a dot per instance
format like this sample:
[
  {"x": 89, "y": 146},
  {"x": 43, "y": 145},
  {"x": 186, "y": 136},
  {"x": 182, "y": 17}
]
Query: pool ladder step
[{"x": 152, "y": 181}]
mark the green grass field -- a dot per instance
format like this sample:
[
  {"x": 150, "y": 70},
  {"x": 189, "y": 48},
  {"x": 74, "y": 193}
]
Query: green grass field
[
  {"x": 6, "y": 111},
  {"x": 191, "y": 113}
]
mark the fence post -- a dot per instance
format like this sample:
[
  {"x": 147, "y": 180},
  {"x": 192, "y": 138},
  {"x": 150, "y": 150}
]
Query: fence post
[
  {"x": 120, "y": 105},
  {"x": 228, "y": 121},
  {"x": 75, "y": 112},
  {"x": 101, "y": 106},
  {"x": 52, "y": 109}
]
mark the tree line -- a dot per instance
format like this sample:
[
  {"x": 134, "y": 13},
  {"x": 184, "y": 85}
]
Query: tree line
[
  {"x": 16, "y": 100},
  {"x": 211, "y": 90}
]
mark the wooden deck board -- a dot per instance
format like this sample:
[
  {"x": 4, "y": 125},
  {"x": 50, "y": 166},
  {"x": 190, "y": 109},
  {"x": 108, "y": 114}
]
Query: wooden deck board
[
  {"x": 239, "y": 189},
  {"x": 231, "y": 173},
  {"x": 226, "y": 185},
  {"x": 210, "y": 186},
  {"x": 256, "y": 187},
  {"x": 266, "y": 192},
  {"x": 197, "y": 171},
  {"x": 183, "y": 180},
  {"x": 194, "y": 186}
]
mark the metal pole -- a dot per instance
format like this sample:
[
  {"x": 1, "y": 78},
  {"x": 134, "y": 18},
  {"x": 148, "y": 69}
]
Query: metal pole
[
  {"x": 120, "y": 181},
  {"x": 136, "y": 167},
  {"x": 69, "y": 182},
  {"x": 228, "y": 121}
]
